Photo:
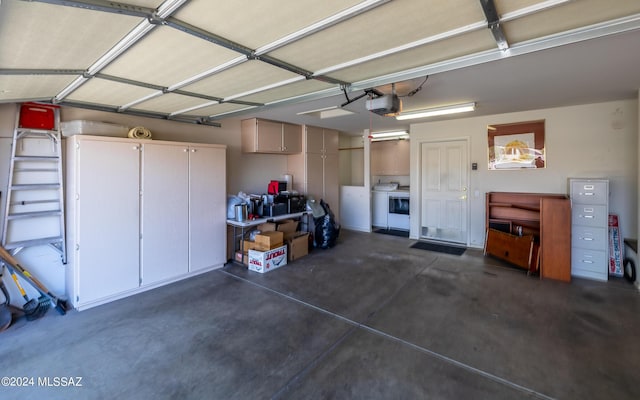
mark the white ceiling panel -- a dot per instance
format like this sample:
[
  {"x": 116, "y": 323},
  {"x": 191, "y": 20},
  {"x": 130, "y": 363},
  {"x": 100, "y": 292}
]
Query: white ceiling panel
[
  {"x": 249, "y": 75},
  {"x": 167, "y": 56},
  {"x": 35, "y": 35},
  {"x": 568, "y": 16},
  {"x": 114, "y": 94},
  {"x": 390, "y": 25},
  {"x": 255, "y": 23},
  {"x": 473, "y": 42},
  {"x": 14, "y": 88},
  {"x": 508, "y": 6}
]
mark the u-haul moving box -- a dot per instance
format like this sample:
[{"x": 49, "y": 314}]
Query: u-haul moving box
[{"x": 265, "y": 261}]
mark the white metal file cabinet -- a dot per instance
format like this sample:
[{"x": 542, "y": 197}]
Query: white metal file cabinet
[{"x": 589, "y": 225}]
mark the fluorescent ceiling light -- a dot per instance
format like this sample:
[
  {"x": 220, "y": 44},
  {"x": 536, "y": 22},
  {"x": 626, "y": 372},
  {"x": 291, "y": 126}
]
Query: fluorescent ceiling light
[
  {"x": 390, "y": 134},
  {"x": 403, "y": 137},
  {"x": 328, "y": 112},
  {"x": 432, "y": 112}
]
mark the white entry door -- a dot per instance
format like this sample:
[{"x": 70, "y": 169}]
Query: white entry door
[{"x": 443, "y": 191}]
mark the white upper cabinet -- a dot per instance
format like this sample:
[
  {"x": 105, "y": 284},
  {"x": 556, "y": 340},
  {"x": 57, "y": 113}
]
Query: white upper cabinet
[
  {"x": 390, "y": 157},
  {"x": 263, "y": 136}
]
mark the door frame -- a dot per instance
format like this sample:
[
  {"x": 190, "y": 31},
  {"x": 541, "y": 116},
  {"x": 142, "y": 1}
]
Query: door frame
[{"x": 417, "y": 210}]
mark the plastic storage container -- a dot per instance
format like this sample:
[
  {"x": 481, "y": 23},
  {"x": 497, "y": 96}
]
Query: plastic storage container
[
  {"x": 37, "y": 116},
  {"x": 83, "y": 127}
]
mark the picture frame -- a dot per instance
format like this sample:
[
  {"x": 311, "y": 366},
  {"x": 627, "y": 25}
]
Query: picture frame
[{"x": 519, "y": 145}]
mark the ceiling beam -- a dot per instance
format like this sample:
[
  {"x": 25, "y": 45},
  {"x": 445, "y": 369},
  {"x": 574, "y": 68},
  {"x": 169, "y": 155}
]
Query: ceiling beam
[
  {"x": 104, "y": 6},
  {"x": 40, "y": 71},
  {"x": 140, "y": 113},
  {"x": 493, "y": 23}
]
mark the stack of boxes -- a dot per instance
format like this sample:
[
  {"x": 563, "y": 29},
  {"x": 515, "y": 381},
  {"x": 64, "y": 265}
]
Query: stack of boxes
[
  {"x": 274, "y": 245},
  {"x": 297, "y": 242}
]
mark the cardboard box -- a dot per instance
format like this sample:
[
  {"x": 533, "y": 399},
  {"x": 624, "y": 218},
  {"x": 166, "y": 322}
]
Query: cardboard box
[
  {"x": 249, "y": 245},
  {"x": 265, "y": 261},
  {"x": 242, "y": 258},
  {"x": 615, "y": 247},
  {"x": 266, "y": 227},
  {"x": 270, "y": 239},
  {"x": 298, "y": 246},
  {"x": 288, "y": 227}
]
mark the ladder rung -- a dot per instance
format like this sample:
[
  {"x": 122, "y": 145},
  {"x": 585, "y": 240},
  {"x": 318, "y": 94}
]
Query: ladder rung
[
  {"x": 33, "y": 242},
  {"x": 27, "y": 202},
  {"x": 33, "y": 214},
  {"x": 35, "y": 131},
  {"x": 36, "y": 158},
  {"x": 35, "y": 170},
  {"x": 35, "y": 186}
]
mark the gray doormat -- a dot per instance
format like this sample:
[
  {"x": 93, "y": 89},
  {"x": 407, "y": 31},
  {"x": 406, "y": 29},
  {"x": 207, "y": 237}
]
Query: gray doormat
[{"x": 441, "y": 248}]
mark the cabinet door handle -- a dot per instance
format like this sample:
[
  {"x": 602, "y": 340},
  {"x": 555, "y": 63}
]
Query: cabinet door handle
[
  {"x": 588, "y": 239},
  {"x": 589, "y": 193},
  {"x": 588, "y": 216},
  {"x": 587, "y": 261},
  {"x": 193, "y": 150}
]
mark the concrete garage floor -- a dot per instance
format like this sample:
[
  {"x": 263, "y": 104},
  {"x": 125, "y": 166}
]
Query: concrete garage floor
[{"x": 368, "y": 319}]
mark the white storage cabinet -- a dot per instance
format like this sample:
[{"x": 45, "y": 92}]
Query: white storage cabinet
[
  {"x": 589, "y": 228},
  {"x": 316, "y": 171},
  {"x": 141, "y": 214}
]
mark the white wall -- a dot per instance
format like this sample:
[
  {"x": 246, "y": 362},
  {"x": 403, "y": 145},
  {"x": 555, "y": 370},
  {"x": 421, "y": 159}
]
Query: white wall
[
  {"x": 250, "y": 173},
  {"x": 596, "y": 140},
  {"x": 355, "y": 199}
]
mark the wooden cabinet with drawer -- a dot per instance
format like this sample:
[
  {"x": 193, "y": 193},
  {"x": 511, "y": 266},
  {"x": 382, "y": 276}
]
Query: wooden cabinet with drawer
[{"x": 530, "y": 230}]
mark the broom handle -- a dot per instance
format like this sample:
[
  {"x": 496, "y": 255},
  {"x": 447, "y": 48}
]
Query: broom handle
[
  {"x": 5, "y": 255},
  {"x": 20, "y": 288}
]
